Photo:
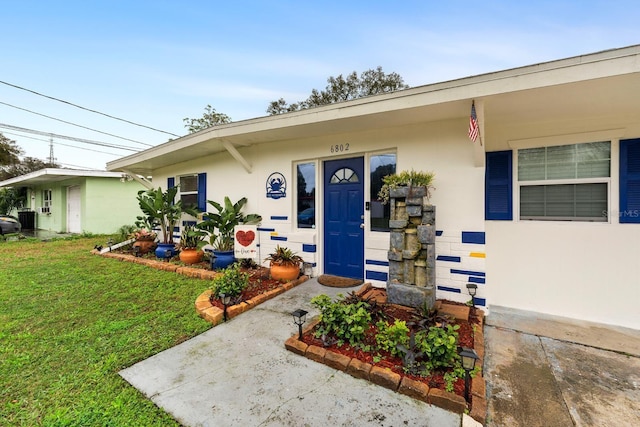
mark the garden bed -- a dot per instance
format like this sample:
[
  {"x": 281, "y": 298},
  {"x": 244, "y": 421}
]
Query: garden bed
[{"x": 387, "y": 370}]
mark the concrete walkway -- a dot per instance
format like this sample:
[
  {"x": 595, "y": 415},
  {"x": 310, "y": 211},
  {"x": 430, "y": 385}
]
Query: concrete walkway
[
  {"x": 240, "y": 374},
  {"x": 552, "y": 371}
]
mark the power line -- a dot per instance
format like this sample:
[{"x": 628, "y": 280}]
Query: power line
[
  {"x": 60, "y": 143},
  {"x": 74, "y": 124},
  {"x": 71, "y": 138},
  {"x": 87, "y": 109}
]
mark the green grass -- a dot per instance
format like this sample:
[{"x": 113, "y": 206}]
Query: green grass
[{"x": 70, "y": 320}]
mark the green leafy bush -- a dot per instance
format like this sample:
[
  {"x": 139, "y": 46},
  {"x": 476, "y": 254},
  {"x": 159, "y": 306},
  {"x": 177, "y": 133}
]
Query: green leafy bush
[
  {"x": 439, "y": 346},
  {"x": 389, "y": 337},
  {"x": 406, "y": 178},
  {"x": 346, "y": 322},
  {"x": 231, "y": 282}
]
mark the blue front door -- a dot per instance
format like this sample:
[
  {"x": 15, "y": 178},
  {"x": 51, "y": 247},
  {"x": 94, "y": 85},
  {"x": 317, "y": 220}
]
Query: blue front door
[{"x": 343, "y": 217}]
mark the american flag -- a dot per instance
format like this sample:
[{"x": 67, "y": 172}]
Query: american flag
[{"x": 473, "y": 124}]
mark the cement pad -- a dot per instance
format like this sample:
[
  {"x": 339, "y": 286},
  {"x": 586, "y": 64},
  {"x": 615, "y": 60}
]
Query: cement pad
[{"x": 239, "y": 373}]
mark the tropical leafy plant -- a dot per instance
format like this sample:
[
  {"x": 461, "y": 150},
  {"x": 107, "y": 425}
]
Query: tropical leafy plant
[
  {"x": 406, "y": 178},
  {"x": 220, "y": 224},
  {"x": 284, "y": 256},
  {"x": 191, "y": 237},
  {"x": 161, "y": 208},
  {"x": 439, "y": 346},
  {"x": 391, "y": 337}
]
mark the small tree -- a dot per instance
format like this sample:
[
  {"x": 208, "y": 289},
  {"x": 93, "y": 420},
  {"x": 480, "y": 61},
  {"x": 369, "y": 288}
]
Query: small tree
[
  {"x": 10, "y": 199},
  {"x": 338, "y": 89},
  {"x": 209, "y": 119}
]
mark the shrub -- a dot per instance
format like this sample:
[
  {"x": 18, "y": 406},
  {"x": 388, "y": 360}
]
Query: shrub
[
  {"x": 231, "y": 282},
  {"x": 389, "y": 337},
  {"x": 347, "y": 322},
  {"x": 439, "y": 346}
]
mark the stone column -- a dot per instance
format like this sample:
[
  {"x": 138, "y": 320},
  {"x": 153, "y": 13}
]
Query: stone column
[{"x": 412, "y": 249}]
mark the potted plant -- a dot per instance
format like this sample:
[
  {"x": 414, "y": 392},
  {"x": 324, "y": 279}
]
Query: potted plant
[
  {"x": 406, "y": 179},
  {"x": 145, "y": 240},
  {"x": 220, "y": 227},
  {"x": 190, "y": 242},
  {"x": 160, "y": 208},
  {"x": 284, "y": 264}
]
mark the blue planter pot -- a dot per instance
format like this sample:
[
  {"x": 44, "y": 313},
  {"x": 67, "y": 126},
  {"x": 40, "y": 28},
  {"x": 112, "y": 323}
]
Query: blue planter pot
[
  {"x": 221, "y": 259},
  {"x": 166, "y": 250}
]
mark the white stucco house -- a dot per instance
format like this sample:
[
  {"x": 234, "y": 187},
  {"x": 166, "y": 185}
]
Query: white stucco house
[{"x": 542, "y": 211}]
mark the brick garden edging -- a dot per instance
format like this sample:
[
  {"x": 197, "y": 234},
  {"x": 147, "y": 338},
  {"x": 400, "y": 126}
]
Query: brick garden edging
[
  {"x": 386, "y": 378},
  {"x": 204, "y": 308},
  {"x": 214, "y": 315}
]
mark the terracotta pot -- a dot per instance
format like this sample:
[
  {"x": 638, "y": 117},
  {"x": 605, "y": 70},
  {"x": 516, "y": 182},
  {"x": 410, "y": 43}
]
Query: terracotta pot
[
  {"x": 285, "y": 272},
  {"x": 191, "y": 255},
  {"x": 145, "y": 245}
]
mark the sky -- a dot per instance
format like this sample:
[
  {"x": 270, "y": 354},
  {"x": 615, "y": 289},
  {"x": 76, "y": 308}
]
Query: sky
[{"x": 154, "y": 63}]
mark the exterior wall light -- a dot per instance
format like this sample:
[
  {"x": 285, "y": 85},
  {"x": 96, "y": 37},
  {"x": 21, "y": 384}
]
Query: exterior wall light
[{"x": 299, "y": 317}]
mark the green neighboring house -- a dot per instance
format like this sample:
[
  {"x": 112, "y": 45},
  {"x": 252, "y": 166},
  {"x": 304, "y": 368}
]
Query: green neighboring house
[{"x": 78, "y": 201}]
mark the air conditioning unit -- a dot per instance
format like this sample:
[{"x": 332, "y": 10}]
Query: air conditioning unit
[{"x": 44, "y": 210}]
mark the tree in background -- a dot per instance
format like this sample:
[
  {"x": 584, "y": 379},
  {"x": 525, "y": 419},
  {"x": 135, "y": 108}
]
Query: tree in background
[
  {"x": 9, "y": 151},
  {"x": 338, "y": 89},
  {"x": 209, "y": 119}
]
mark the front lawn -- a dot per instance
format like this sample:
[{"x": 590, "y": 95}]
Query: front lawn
[{"x": 70, "y": 320}]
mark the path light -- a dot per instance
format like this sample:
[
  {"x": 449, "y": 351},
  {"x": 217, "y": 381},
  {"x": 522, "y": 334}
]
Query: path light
[
  {"x": 136, "y": 251},
  {"x": 472, "y": 288},
  {"x": 469, "y": 358},
  {"x": 299, "y": 317},
  {"x": 226, "y": 300}
]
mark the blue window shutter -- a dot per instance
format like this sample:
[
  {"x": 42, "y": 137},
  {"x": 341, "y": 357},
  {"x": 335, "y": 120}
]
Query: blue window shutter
[
  {"x": 630, "y": 181},
  {"x": 498, "y": 186},
  {"x": 171, "y": 182},
  {"x": 202, "y": 192}
]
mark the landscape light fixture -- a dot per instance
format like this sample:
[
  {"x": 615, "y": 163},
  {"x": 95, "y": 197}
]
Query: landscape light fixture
[
  {"x": 226, "y": 300},
  {"x": 136, "y": 251},
  {"x": 299, "y": 317},
  {"x": 469, "y": 358},
  {"x": 472, "y": 288}
]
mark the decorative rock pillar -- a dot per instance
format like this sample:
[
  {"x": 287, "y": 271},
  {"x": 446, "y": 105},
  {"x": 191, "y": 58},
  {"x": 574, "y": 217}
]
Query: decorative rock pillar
[{"x": 412, "y": 254}]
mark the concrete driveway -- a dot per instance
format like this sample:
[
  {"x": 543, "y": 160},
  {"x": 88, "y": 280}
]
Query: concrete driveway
[
  {"x": 551, "y": 371},
  {"x": 240, "y": 374}
]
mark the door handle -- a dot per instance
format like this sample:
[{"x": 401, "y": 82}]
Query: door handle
[{"x": 362, "y": 226}]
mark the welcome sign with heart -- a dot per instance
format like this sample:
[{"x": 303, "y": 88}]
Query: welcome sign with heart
[{"x": 245, "y": 241}]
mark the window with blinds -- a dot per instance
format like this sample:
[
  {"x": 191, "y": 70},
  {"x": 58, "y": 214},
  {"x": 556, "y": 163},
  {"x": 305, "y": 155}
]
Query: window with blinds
[{"x": 565, "y": 183}]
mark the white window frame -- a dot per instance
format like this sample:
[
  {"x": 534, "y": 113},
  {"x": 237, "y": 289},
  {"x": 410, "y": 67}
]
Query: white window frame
[
  {"x": 47, "y": 198},
  {"x": 610, "y": 135},
  {"x": 187, "y": 193}
]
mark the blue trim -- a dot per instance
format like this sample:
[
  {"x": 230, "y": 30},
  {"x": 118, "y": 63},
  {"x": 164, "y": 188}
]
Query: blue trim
[
  {"x": 438, "y": 233},
  {"x": 498, "y": 186},
  {"x": 279, "y": 218},
  {"x": 468, "y": 272},
  {"x": 376, "y": 262},
  {"x": 473, "y": 237},
  {"x": 308, "y": 248},
  {"x": 448, "y": 289},
  {"x": 282, "y": 239},
  {"x": 202, "y": 192},
  {"x": 476, "y": 280},
  {"x": 448, "y": 258},
  {"x": 480, "y": 301},
  {"x": 630, "y": 181},
  {"x": 266, "y": 229},
  {"x": 191, "y": 223},
  {"x": 171, "y": 182},
  {"x": 376, "y": 275}
]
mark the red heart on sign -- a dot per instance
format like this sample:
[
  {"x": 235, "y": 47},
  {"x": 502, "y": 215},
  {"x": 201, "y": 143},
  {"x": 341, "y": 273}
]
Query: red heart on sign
[{"x": 245, "y": 238}]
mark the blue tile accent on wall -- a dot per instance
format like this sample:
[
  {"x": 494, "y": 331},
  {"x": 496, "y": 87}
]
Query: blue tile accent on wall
[
  {"x": 438, "y": 232},
  {"x": 473, "y": 237},
  {"x": 480, "y": 301},
  {"x": 191, "y": 223},
  {"x": 376, "y": 275},
  {"x": 266, "y": 229},
  {"x": 376, "y": 262},
  {"x": 281, "y": 238},
  {"x": 448, "y": 289},
  {"x": 476, "y": 279},
  {"x": 467, "y": 272},
  {"x": 448, "y": 258},
  {"x": 279, "y": 218},
  {"x": 308, "y": 248}
]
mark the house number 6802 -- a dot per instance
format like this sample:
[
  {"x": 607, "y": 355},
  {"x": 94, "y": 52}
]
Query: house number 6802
[{"x": 339, "y": 148}]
